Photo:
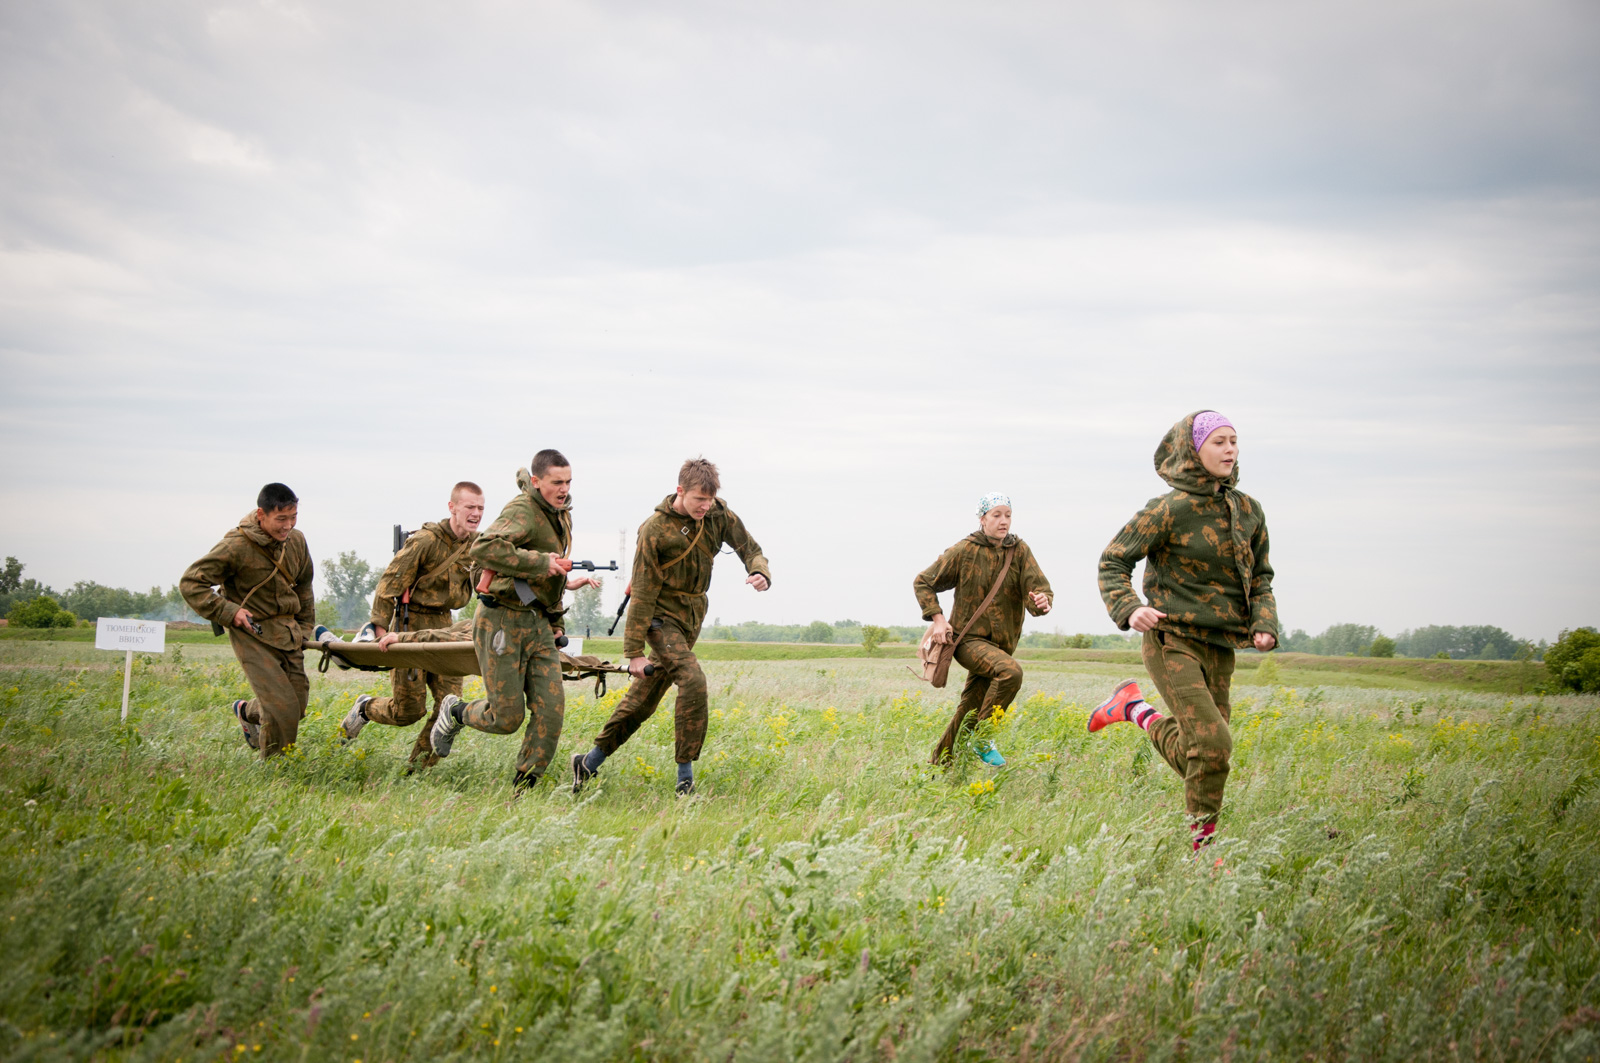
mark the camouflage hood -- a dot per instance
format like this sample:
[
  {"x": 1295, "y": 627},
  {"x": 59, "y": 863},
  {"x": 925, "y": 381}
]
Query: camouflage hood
[{"x": 1179, "y": 465}]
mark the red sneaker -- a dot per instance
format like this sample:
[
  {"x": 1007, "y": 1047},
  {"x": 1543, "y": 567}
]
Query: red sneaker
[
  {"x": 1115, "y": 708},
  {"x": 1203, "y": 833}
]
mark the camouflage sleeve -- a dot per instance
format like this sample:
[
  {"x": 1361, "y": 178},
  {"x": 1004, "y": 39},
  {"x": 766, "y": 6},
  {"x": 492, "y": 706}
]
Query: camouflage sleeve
[
  {"x": 1033, "y": 581},
  {"x": 646, "y": 584},
  {"x": 496, "y": 547},
  {"x": 1263, "y": 604},
  {"x": 1125, "y": 551},
  {"x": 210, "y": 571},
  {"x": 942, "y": 575},
  {"x": 400, "y": 574},
  {"x": 303, "y": 585},
  {"x": 749, "y": 551}
]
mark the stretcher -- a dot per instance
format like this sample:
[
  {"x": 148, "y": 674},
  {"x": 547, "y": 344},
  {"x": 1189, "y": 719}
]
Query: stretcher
[{"x": 445, "y": 658}]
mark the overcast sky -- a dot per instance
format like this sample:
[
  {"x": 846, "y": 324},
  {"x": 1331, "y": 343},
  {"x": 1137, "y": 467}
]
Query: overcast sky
[{"x": 873, "y": 259}]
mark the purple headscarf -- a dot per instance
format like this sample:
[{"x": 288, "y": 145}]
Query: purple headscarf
[{"x": 1206, "y": 423}]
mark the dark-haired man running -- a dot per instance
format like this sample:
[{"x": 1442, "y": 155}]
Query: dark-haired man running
[{"x": 256, "y": 583}]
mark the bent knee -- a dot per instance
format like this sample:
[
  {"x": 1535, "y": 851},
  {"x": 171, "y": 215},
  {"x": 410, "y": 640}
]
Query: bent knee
[{"x": 1009, "y": 672}]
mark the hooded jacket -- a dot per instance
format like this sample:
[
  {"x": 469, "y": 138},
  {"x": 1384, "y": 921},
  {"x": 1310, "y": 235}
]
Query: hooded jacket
[
  {"x": 1205, "y": 552},
  {"x": 420, "y": 567},
  {"x": 970, "y": 567},
  {"x": 518, "y": 545},
  {"x": 670, "y": 580},
  {"x": 252, "y": 570}
]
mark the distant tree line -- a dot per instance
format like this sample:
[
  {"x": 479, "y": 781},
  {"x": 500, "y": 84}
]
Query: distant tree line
[
  {"x": 1479, "y": 642},
  {"x": 28, "y": 603}
]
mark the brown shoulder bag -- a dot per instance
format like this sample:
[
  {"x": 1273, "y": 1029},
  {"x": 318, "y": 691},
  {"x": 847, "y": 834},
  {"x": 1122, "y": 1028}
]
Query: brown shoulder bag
[{"x": 935, "y": 657}]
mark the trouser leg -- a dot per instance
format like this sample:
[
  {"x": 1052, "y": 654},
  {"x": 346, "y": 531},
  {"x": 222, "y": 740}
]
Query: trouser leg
[
  {"x": 500, "y": 636},
  {"x": 993, "y": 679},
  {"x": 640, "y": 702},
  {"x": 675, "y": 650},
  {"x": 1194, "y": 679},
  {"x": 408, "y": 702},
  {"x": 278, "y": 680},
  {"x": 547, "y": 709}
]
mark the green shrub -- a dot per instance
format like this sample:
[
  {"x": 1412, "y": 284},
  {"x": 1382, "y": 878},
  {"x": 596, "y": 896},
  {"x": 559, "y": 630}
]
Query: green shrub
[
  {"x": 872, "y": 635},
  {"x": 817, "y": 631},
  {"x": 1569, "y": 661},
  {"x": 40, "y": 612},
  {"x": 1382, "y": 646}
]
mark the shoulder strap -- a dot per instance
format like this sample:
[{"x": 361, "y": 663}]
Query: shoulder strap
[
  {"x": 692, "y": 544},
  {"x": 443, "y": 566},
  {"x": 1005, "y": 568},
  {"x": 277, "y": 569}
]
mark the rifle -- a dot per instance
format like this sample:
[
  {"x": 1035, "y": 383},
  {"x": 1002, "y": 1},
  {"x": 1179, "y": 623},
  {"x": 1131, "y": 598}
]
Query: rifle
[{"x": 400, "y": 537}]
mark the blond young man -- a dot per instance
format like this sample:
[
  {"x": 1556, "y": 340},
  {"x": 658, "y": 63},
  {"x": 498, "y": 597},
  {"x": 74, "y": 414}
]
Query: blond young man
[
  {"x": 423, "y": 583},
  {"x": 671, "y": 574}
]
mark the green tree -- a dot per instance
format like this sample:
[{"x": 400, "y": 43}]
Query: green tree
[
  {"x": 350, "y": 581},
  {"x": 1382, "y": 646},
  {"x": 817, "y": 631},
  {"x": 42, "y": 611},
  {"x": 872, "y": 636},
  {"x": 1575, "y": 660},
  {"x": 586, "y": 614},
  {"x": 11, "y": 575}
]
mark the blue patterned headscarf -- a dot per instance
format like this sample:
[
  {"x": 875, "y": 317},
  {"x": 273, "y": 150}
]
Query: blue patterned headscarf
[{"x": 988, "y": 502}]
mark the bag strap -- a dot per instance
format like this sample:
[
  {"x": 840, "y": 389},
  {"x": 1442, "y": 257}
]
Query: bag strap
[
  {"x": 1005, "y": 568},
  {"x": 432, "y": 572},
  {"x": 692, "y": 544},
  {"x": 277, "y": 570}
]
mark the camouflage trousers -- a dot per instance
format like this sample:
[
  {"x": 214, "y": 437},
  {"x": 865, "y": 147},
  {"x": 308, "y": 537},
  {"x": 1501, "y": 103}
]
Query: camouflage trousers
[
  {"x": 672, "y": 652},
  {"x": 411, "y": 685},
  {"x": 278, "y": 680},
  {"x": 1193, "y": 678},
  {"x": 993, "y": 679},
  {"x": 522, "y": 678}
]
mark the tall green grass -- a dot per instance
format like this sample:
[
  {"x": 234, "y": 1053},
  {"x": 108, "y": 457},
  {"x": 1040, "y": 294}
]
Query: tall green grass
[{"x": 1401, "y": 875}]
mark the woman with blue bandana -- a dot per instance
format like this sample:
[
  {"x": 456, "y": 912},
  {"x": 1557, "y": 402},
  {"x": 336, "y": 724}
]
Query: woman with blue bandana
[{"x": 970, "y": 568}]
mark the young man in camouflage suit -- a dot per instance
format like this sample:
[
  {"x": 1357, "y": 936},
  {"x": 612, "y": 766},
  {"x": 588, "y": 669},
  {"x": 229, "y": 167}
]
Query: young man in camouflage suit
[
  {"x": 524, "y": 552},
  {"x": 256, "y": 583},
  {"x": 1209, "y": 585},
  {"x": 671, "y": 574},
  {"x": 429, "y": 577}
]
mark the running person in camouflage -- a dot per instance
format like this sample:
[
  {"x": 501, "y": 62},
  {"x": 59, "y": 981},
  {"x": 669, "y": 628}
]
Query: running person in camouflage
[
  {"x": 970, "y": 568},
  {"x": 256, "y": 583},
  {"x": 1209, "y": 586},
  {"x": 671, "y": 573},
  {"x": 429, "y": 577},
  {"x": 524, "y": 552}
]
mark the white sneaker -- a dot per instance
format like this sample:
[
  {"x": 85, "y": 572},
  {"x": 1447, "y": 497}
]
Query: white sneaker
[
  {"x": 356, "y": 718},
  {"x": 447, "y": 726}
]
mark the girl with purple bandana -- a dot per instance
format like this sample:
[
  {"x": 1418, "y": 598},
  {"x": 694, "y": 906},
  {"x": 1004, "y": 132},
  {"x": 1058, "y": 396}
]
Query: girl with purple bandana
[{"x": 1209, "y": 585}]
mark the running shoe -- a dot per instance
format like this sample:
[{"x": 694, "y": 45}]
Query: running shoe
[
  {"x": 356, "y": 718},
  {"x": 580, "y": 773},
  {"x": 1115, "y": 708},
  {"x": 252, "y": 732},
  {"x": 447, "y": 726}
]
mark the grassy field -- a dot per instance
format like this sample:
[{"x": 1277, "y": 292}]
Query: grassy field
[{"x": 1403, "y": 873}]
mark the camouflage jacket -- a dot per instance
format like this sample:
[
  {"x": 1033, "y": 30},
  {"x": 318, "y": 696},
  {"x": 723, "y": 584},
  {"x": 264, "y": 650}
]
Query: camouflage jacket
[
  {"x": 252, "y": 570},
  {"x": 425, "y": 554},
  {"x": 518, "y": 545},
  {"x": 670, "y": 580},
  {"x": 1205, "y": 553},
  {"x": 970, "y": 567}
]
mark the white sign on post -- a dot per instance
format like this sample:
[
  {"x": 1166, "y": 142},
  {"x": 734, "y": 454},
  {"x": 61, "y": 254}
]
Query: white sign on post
[
  {"x": 143, "y": 636},
  {"x": 573, "y": 648}
]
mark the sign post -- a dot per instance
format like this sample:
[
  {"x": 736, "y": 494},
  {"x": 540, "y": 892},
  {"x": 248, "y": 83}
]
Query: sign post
[{"x": 130, "y": 636}]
